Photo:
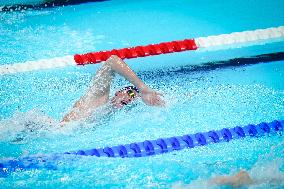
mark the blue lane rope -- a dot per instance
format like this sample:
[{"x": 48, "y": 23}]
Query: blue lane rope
[{"x": 146, "y": 148}]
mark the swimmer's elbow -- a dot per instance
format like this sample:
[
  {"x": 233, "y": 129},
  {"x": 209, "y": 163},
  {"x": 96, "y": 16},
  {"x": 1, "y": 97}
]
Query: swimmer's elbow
[{"x": 114, "y": 58}]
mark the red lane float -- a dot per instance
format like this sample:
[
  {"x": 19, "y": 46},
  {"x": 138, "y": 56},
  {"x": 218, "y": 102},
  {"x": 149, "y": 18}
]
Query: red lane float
[{"x": 138, "y": 51}]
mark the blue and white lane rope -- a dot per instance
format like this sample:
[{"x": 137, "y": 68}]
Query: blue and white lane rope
[{"x": 146, "y": 148}]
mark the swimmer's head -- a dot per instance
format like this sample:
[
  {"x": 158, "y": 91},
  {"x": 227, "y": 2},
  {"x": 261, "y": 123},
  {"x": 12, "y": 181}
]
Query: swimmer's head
[{"x": 125, "y": 96}]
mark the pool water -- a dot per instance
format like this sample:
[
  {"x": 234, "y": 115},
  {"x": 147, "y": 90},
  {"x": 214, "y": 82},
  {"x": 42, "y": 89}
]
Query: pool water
[{"x": 199, "y": 97}]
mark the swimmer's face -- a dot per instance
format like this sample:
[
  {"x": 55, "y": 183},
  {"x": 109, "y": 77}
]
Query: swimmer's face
[{"x": 124, "y": 97}]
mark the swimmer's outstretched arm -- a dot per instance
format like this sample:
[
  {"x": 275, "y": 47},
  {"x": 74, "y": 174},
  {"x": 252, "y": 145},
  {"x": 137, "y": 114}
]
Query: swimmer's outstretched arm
[{"x": 98, "y": 94}]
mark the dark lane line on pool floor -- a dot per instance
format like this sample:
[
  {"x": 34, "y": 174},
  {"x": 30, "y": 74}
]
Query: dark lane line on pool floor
[
  {"x": 235, "y": 62},
  {"x": 48, "y": 4}
]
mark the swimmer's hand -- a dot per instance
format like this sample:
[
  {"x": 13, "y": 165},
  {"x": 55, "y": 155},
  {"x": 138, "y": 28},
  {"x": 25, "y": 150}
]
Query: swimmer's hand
[{"x": 152, "y": 98}]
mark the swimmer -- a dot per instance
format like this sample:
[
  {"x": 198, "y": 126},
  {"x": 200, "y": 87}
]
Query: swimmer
[
  {"x": 242, "y": 178},
  {"x": 98, "y": 93},
  {"x": 239, "y": 180}
]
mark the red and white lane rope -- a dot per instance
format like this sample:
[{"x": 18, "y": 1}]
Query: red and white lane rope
[{"x": 148, "y": 50}]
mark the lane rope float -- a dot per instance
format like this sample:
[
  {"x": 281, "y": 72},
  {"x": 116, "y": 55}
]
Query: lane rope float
[
  {"x": 146, "y": 148},
  {"x": 148, "y": 50}
]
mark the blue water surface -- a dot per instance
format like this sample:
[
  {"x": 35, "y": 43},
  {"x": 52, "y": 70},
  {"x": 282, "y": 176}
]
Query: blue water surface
[{"x": 197, "y": 99}]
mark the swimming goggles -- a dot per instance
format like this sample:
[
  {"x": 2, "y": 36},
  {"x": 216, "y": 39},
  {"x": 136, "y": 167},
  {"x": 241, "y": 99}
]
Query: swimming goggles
[{"x": 131, "y": 93}]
